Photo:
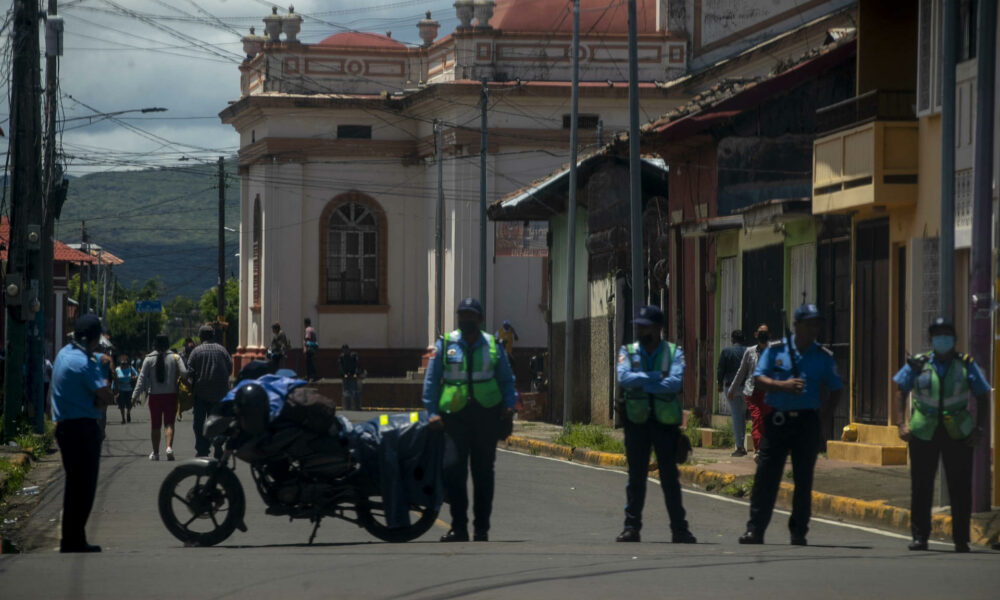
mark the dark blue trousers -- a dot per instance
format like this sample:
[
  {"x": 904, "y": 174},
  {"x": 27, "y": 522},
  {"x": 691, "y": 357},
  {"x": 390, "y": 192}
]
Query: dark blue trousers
[
  {"x": 471, "y": 444},
  {"x": 80, "y": 447},
  {"x": 639, "y": 441}
]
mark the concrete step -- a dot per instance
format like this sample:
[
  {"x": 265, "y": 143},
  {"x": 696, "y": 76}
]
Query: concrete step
[
  {"x": 884, "y": 435},
  {"x": 867, "y": 453}
]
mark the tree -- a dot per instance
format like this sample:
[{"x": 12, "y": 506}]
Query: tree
[
  {"x": 128, "y": 329},
  {"x": 208, "y": 305},
  {"x": 183, "y": 316}
]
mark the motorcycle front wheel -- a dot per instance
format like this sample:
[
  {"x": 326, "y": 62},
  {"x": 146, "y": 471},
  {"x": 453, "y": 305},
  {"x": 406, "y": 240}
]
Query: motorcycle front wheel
[
  {"x": 199, "y": 513},
  {"x": 372, "y": 514}
]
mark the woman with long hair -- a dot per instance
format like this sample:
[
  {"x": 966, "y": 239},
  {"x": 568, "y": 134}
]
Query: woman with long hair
[{"x": 158, "y": 377}]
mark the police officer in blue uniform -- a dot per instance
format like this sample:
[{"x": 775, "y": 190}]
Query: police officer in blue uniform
[
  {"x": 792, "y": 372},
  {"x": 650, "y": 372},
  {"x": 469, "y": 392},
  {"x": 940, "y": 425}
]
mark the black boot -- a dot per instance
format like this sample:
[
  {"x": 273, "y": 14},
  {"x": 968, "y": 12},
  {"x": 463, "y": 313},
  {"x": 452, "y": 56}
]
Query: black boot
[
  {"x": 752, "y": 537},
  {"x": 628, "y": 535},
  {"x": 918, "y": 543},
  {"x": 455, "y": 535},
  {"x": 684, "y": 537}
]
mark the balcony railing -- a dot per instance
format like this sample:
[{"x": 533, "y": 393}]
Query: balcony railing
[{"x": 876, "y": 105}]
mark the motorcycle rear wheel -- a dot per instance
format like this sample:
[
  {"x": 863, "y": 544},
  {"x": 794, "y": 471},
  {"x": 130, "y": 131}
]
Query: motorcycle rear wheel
[
  {"x": 372, "y": 515},
  {"x": 184, "y": 503}
]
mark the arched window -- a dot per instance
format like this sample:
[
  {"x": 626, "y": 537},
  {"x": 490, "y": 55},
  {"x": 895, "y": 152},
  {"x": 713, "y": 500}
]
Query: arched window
[
  {"x": 354, "y": 252},
  {"x": 257, "y": 234}
]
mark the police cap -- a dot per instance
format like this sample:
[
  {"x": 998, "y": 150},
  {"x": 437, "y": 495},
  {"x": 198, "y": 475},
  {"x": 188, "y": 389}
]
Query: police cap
[
  {"x": 806, "y": 312},
  {"x": 649, "y": 315},
  {"x": 470, "y": 305},
  {"x": 941, "y": 324}
]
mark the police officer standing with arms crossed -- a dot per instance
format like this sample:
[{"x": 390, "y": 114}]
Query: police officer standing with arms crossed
[
  {"x": 469, "y": 392},
  {"x": 940, "y": 425},
  {"x": 651, "y": 372},
  {"x": 791, "y": 372}
]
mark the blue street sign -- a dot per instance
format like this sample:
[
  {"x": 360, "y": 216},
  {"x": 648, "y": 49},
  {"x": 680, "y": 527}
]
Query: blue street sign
[{"x": 148, "y": 306}]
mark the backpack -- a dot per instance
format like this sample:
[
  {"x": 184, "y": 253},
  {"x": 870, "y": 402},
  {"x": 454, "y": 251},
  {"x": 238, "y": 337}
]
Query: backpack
[{"x": 309, "y": 409}]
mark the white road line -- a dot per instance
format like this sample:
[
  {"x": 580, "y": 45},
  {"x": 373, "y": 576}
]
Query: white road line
[{"x": 731, "y": 500}]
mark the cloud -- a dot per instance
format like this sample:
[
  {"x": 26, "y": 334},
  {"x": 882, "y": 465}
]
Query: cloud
[{"x": 114, "y": 62}]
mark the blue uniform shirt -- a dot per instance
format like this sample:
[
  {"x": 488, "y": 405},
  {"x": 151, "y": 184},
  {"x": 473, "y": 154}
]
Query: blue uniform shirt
[
  {"x": 977, "y": 383},
  {"x": 124, "y": 376},
  {"x": 435, "y": 371},
  {"x": 648, "y": 376},
  {"x": 75, "y": 378},
  {"x": 816, "y": 368}
]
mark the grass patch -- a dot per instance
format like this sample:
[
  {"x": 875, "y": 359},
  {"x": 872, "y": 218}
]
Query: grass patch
[
  {"x": 36, "y": 444},
  {"x": 595, "y": 437},
  {"x": 723, "y": 438},
  {"x": 691, "y": 431},
  {"x": 740, "y": 489},
  {"x": 15, "y": 478}
]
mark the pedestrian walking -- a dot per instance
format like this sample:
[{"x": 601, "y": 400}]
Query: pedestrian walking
[
  {"x": 349, "y": 371},
  {"x": 209, "y": 368},
  {"x": 310, "y": 345},
  {"x": 126, "y": 377},
  {"x": 729, "y": 365},
  {"x": 469, "y": 393},
  {"x": 158, "y": 378},
  {"x": 46, "y": 382},
  {"x": 507, "y": 335},
  {"x": 650, "y": 373},
  {"x": 186, "y": 349},
  {"x": 279, "y": 346},
  {"x": 792, "y": 373},
  {"x": 107, "y": 371},
  {"x": 743, "y": 384},
  {"x": 940, "y": 426},
  {"x": 79, "y": 393}
]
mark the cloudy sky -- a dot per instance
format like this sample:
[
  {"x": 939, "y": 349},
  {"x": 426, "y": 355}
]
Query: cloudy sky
[{"x": 182, "y": 55}]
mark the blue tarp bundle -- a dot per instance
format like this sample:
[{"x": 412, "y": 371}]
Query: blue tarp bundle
[{"x": 400, "y": 457}]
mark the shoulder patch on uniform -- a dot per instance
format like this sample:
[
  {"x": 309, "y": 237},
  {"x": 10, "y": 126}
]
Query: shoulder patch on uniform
[
  {"x": 826, "y": 350},
  {"x": 965, "y": 358},
  {"x": 775, "y": 343}
]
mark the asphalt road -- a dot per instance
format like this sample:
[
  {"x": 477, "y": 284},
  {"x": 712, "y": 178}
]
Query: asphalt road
[{"x": 553, "y": 531}]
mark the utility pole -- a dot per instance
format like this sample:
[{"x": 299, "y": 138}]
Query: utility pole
[
  {"x": 574, "y": 109},
  {"x": 85, "y": 285},
  {"x": 981, "y": 306},
  {"x": 22, "y": 281},
  {"x": 635, "y": 174},
  {"x": 222, "y": 252},
  {"x": 439, "y": 234},
  {"x": 947, "y": 240},
  {"x": 600, "y": 134},
  {"x": 484, "y": 96}
]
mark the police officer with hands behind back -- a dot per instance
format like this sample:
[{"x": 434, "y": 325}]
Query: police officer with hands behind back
[
  {"x": 469, "y": 392},
  {"x": 791, "y": 372},
  {"x": 940, "y": 425},
  {"x": 650, "y": 373}
]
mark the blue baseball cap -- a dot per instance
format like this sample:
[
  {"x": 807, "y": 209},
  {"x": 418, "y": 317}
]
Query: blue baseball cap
[
  {"x": 649, "y": 315},
  {"x": 286, "y": 373},
  {"x": 806, "y": 312},
  {"x": 470, "y": 305}
]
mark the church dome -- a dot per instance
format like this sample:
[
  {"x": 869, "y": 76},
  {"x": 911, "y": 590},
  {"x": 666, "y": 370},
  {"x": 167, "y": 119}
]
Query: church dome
[
  {"x": 596, "y": 16},
  {"x": 358, "y": 39}
]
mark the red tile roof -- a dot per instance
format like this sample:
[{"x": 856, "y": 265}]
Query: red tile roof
[
  {"x": 361, "y": 39},
  {"x": 61, "y": 252},
  {"x": 596, "y": 16}
]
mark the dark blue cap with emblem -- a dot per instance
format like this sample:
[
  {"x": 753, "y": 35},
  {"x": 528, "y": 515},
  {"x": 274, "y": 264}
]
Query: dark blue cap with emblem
[
  {"x": 942, "y": 324},
  {"x": 806, "y": 312},
  {"x": 649, "y": 315},
  {"x": 470, "y": 305}
]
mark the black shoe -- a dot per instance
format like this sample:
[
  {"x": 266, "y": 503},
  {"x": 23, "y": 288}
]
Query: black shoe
[
  {"x": 918, "y": 543},
  {"x": 129, "y": 418},
  {"x": 628, "y": 535},
  {"x": 79, "y": 548},
  {"x": 752, "y": 537},
  {"x": 481, "y": 536},
  {"x": 961, "y": 547},
  {"x": 683, "y": 537},
  {"x": 455, "y": 536},
  {"x": 739, "y": 452},
  {"x": 798, "y": 540}
]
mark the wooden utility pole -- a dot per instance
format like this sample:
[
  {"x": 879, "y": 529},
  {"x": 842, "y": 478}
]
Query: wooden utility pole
[
  {"x": 22, "y": 282},
  {"x": 574, "y": 106}
]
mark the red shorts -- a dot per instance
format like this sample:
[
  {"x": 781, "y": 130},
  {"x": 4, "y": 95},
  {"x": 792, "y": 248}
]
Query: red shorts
[{"x": 162, "y": 410}]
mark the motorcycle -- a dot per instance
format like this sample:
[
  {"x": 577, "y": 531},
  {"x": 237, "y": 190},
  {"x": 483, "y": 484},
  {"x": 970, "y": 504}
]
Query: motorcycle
[{"x": 299, "y": 473}]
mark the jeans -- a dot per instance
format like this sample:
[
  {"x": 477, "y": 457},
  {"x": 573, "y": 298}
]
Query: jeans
[
  {"x": 738, "y": 410},
  {"x": 310, "y": 364},
  {"x": 957, "y": 458},
  {"x": 201, "y": 443},
  {"x": 80, "y": 448},
  {"x": 797, "y": 435},
  {"x": 352, "y": 396},
  {"x": 471, "y": 441},
  {"x": 639, "y": 440}
]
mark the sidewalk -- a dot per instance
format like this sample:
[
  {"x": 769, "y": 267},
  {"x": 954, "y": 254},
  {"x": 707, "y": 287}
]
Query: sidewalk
[{"x": 861, "y": 494}]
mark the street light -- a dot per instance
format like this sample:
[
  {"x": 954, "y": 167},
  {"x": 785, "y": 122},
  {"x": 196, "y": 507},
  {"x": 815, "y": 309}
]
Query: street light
[{"x": 109, "y": 115}]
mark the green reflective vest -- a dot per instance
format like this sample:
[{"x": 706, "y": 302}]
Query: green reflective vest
[
  {"x": 941, "y": 400},
  {"x": 455, "y": 392},
  {"x": 638, "y": 404}
]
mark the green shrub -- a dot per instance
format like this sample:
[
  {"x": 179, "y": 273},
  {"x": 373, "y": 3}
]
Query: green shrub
[
  {"x": 595, "y": 437},
  {"x": 723, "y": 438},
  {"x": 691, "y": 431}
]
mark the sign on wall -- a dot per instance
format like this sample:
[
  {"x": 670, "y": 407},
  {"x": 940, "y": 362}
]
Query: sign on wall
[{"x": 522, "y": 239}]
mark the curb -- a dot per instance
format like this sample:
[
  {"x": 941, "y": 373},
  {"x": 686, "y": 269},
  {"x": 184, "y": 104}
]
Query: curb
[{"x": 984, "y": 530}]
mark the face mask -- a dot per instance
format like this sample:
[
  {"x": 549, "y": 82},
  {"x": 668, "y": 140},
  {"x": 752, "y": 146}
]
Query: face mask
[
  {"x": 943, "y": 343},
  {"x": 468, "y": 327},
  {"x": 647, "y": 340},
  {"x": 762, "y": 337}
]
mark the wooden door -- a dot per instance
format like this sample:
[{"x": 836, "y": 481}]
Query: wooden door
[
  {"x": 729, "y": 319},
  {"x": 834, "y": 300},
  {"x": 763, "y": 288},
  {"x": 871, "y": 322}
]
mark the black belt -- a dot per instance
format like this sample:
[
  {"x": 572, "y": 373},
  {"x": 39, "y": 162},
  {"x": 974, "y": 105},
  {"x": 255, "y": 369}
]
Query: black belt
[{"x": 779, "y": 416}]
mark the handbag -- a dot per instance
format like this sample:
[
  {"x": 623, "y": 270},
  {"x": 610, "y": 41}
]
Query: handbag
[{"x": 185, "y": 399}]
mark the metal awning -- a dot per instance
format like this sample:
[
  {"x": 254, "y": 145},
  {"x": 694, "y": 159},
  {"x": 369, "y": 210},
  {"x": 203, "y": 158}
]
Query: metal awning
[{"x": 704, "y": 227}]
